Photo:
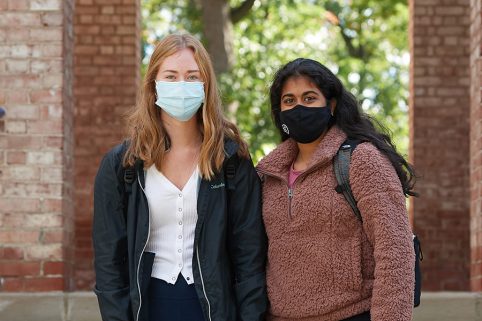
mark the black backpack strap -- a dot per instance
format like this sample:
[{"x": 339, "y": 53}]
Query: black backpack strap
[
  {"x": 341, "y": 167},
  {"x": 126, "y": 176},
  {"x": 230, "y": 171}
]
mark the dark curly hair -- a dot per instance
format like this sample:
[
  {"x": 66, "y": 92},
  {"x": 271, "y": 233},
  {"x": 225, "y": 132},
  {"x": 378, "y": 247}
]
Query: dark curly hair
[{"x": 348, "y": 116}]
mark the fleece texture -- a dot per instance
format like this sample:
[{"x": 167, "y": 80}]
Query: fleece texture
[{"x": 323, "y": 263}]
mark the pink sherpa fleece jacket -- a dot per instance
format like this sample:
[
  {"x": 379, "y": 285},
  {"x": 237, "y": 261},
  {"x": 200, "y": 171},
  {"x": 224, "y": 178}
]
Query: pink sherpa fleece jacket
[{"x": 323, "y": 263}]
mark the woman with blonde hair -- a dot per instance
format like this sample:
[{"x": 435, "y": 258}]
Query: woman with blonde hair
[{"x": 178, "y": 232}]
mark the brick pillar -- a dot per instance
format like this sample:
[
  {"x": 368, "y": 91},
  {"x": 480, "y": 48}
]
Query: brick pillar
[
  {"x": 107, "y": 72},
  {"x": 36, "y": 168},
  {"x": 439, "y": 144},
  {"x": 476, "y": 147}
]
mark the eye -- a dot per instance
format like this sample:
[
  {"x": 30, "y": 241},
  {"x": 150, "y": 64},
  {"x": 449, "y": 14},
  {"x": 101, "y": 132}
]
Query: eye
[
  {"x": 170, "y": 77},
  {"x": 193, "y": 77},
  {"x": 288, "y": 101},
  {"x": 310, "y": 98}
]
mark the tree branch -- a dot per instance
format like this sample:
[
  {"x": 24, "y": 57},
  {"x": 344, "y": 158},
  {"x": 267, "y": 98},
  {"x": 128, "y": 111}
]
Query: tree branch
[
  {"x": 355, "y": 52},
  {"x": 241, "y": 11}
]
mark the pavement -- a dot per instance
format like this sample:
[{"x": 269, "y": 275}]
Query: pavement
[{"x": 82, "y": 306}]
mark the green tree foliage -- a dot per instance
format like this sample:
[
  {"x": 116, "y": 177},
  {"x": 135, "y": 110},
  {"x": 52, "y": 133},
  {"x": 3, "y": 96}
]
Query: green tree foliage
[{"x": 364, "y": 42}]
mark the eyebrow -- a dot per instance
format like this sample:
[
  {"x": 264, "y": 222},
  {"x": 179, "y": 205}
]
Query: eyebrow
[
  {"x": 305, "y": 93},
  {"x": 175, "y": 72}
]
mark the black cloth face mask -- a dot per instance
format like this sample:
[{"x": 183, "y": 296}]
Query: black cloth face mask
[{"x": 305, "y": 124}]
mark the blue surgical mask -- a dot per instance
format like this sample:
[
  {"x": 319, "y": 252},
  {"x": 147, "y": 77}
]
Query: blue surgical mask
[{"x": 180, "y": 99}]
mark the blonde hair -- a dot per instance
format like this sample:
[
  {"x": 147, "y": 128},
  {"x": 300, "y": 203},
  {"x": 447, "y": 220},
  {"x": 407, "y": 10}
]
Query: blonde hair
[{"x": 148, "y": 138}]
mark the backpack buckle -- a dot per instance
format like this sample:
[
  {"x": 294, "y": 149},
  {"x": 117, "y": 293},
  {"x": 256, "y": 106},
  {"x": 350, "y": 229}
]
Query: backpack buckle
[
  {"x": 230, "y": 171},
  {"x": 129, "y": 175}
]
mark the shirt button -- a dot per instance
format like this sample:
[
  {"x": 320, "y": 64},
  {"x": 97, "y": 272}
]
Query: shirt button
[
  {"x": 179, "y": 250},
  {"x": 180, "y": 222},
  {"x": 174, "y": 278},
  {"x": 180, "y": 209},
  {"x": 180, "y": 264},
  {"x": 179, "y": 237},
  {"x": 188, "y": 278},
  {"x": 180, "y": 195}
]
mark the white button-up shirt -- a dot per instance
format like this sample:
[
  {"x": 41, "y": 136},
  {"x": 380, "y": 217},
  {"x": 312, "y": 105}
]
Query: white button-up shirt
[{"x": 173, "y": 217}]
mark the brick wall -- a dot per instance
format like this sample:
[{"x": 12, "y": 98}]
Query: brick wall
[
  {"x": 107, "y": 72},
  {"x": 476, "y": 147},
  {"x": 439, "y": 144},
  {"x": 35, "y": 144}
]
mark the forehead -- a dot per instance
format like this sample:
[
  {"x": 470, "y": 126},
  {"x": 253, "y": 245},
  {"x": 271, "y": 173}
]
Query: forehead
[
  {"x": 180, "y": 61},
  {"x": 298, "y": 85}
]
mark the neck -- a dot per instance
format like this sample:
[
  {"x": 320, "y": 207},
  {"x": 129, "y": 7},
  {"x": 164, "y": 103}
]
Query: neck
[{"x": 183, "y": 134}]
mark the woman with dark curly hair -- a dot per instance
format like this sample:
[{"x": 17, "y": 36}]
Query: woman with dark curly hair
[{"x": 325, "y": 263}]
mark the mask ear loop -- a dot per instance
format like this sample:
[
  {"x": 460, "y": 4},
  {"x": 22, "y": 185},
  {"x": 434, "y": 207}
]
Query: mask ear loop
[
  {"x": 332, "y": 110},
  {"x": 155, "y": 90}
]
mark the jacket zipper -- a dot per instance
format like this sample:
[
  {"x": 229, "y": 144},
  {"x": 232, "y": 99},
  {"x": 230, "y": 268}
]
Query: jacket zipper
[
  {"x": 290, "y": 197},
  {"x": 202, "y": 282},
  {"x": 140, "y": 258},
  {"x": 291, "y": 189}
]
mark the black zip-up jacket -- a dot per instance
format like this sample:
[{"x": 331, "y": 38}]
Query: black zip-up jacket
[{"x": 229, "y": 246}]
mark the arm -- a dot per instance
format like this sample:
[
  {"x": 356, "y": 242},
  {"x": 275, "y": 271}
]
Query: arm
[
  {"x": 377, "y": 188},
  {"x": 110, "y": 245},
  {"x": 247, "y": 243}
]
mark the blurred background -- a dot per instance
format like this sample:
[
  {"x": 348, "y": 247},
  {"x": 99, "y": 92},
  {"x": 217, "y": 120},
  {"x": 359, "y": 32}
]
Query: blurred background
[
  {"x": 70, "y": 69},
  {"x": 364, "y": 42}
]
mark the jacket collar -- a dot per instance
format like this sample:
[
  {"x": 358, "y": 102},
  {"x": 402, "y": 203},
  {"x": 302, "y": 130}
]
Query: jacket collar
[
  {"x": 278, "y": 162},
  {"x": 230, "y": 148}
]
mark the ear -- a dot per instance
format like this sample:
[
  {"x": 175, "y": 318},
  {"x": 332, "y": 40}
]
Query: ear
[{"x": 333, "y": 106}]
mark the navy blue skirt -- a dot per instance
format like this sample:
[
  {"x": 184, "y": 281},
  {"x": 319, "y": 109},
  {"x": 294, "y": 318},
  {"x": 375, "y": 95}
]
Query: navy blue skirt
[{"x": 173, "y": 302}]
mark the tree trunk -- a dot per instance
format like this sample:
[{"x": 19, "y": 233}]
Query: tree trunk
[{"x": 218, "y": 30}]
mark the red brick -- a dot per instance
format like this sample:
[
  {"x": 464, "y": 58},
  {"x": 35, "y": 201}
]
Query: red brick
[
  {"x": 47, "y": 50},
  {"x": 52, "y": 206},
  {"x": 30, "y": 142},
  {"x": 20, "y": 19},
  {"x": 44, "y": 284},
  {"x": 19, "y": 237},
  {"x": 8, "y": 268},
  {"x": 45, "y": 96},
  {"x": 52, "y": 19},
  {"x": 56, "y": 236},
  {"x": 53, "y": 268},
  {"x": 11, "y": 253},
  {"x": 12, "y": 284},
  {"x": 20, "y": 173},
  {"x": 45, "y": 127},
  {"x": 46, "y": 34},
  {"x": 23, "y": 111},
  {"x": 33, "y": 221},
  {"x": 16, "y": 157},
  {"x": 51, "y": 174},
  {"x": 21, "y": 35}
]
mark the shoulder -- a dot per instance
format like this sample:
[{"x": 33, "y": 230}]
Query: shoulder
[
  {"x": 366, "y": 155},
  {"x": 113, "y": 158},
  {"x": 369, "y": 166}
]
